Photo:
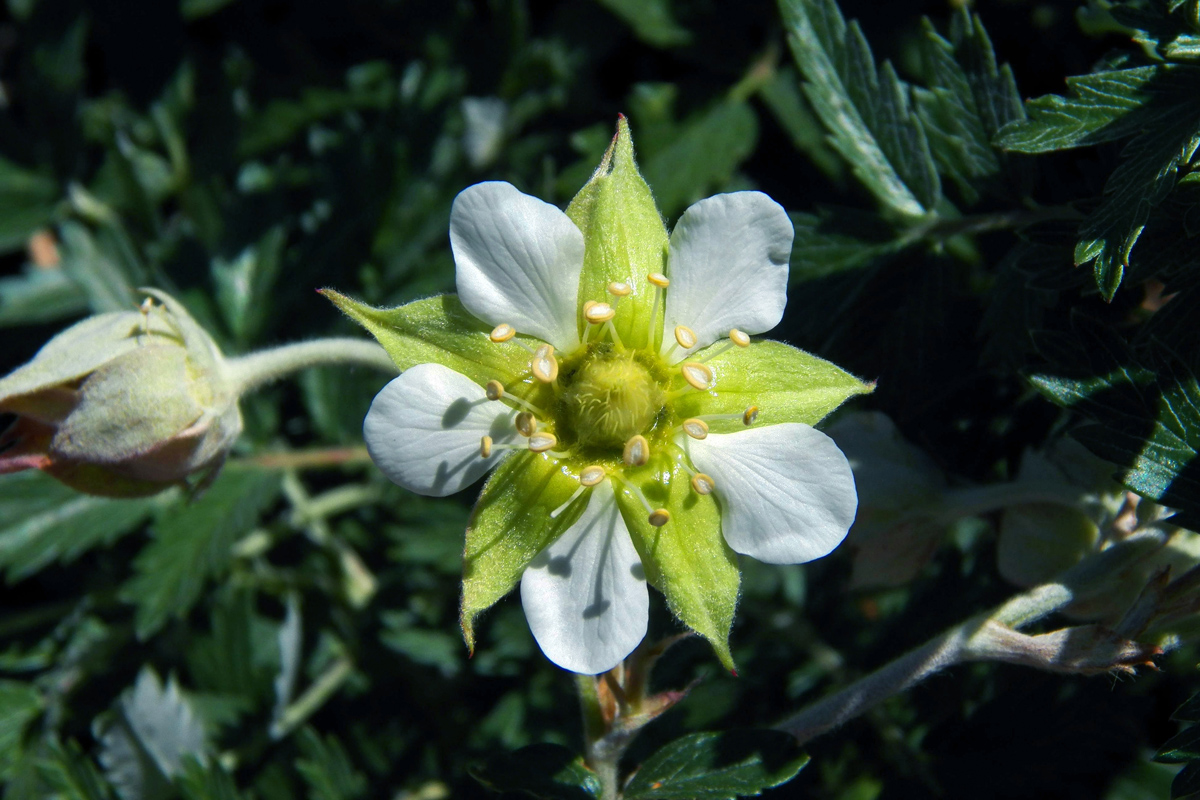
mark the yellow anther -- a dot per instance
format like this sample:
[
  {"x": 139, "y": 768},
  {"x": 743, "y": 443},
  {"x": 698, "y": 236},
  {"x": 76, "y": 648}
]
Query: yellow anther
[
  {"x": 637, "y": 451},
  {"x": 544, "y": 365},
  {"x": 494, "y": 390},
  {"x": 703, "y": 484},
  {"x": 526, "y": 424},
  {"x": 619, "y": 289},
  {"x": 749, "y": 416},
  {"x": 695, "y": 428},
  {"x": 485, "y": 447},
  {"x": 502, "y": 333},
  {"x": 685, "y": 336},
  {"x": 598, "y": 313},
  {"x": 592, "y": 475},
  {"x": 659, "y": 280},
  {"x": 659, "y": 517},
  {"x": 739, "y": 338},
  {"x": 541, "y": 442},
  {"x": 588, "y": 306},
  {"x": 698, "y": 375},
  {"x": 147, "y": 305}
]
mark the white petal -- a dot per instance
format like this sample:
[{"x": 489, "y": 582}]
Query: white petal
[
  {"x": 424, "y": 429},
  {"x": 728, "y": 267},
  {"x": 517, "y": 261},
  {"x": 585, "y": 595},
  {"x": 786, "y": 491}
]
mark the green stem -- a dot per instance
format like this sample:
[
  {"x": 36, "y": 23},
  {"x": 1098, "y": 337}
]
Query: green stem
[
  {"x": 975, "y": 639},
  {"x": 312, "y": 700},
  {"x": 255, "y": 370},
  {"x": 600, "y": 756}
]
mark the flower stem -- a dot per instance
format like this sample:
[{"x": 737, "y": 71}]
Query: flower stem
[
  {"x": 992, "y": 636},
  {"x": 595, "y": 730},
  {"x": 255, "y": 370}
]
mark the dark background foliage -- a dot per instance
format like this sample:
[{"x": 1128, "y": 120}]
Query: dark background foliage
[{"x": 242, "y": 153}]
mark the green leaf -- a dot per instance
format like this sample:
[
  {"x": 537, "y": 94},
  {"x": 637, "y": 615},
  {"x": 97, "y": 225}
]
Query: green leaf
[
  {"x": 327, "y": 769},
  {"x": 43, "y": 522},
  {"x": 865, "y": 110},
  {"x": 67, "y": 770},
  {"x": 28, "y": 199},
  {"x": 718, "y": 766},
  {"x": 194, "y": 544},
  {"x": 651, "y": 20},
  {"x": 1183, "y": 746},
  {"x": 102, "y": 264},
  {"x": 787, "y": 385},
  {"x": 835, "y": 242},
  {"x": 549, "y": 771},
  {"x": 20, "y": 704},
  {"x": 510, "y": 525},
  {"x": 433, "y": 648},
  {"x": 687, "y": 559},
  {"x": 782, "y": 96},
  {"x": 206, "y": 782},
  {"x": 1145, "y": 420},
  {"x": 970, "y": 98},
  {"x": 1187, "y": 781},
  {"x": 1189, "y": 711},
  {"x": 196, "y": 9},
  {"x": 146, "y": 741},
  {"x": 438, "y": 330},
  {"x": 245, "y": 283},
  {"x": 624, "y": 238},
  {"x": 39, "y": 295},
  {"x": 702, "y": 155}
]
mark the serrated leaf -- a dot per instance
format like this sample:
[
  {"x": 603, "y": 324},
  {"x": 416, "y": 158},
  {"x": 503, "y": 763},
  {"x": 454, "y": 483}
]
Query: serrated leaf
[
  {"x": 327, "y": 769},
  {"x": 703, "y": 153},
  {"x": 865, "y": 110},
  {"x": 1147, "y": 421},
  {"x": 548, "y": 771},
  {"x": 1187, "y": 781},
  {"x": 245, "y": 282},
  {"x": 39, "y": 295},
  {"x": 651, "y": 20},
  {"x": 783, "y": 97},
  {"x": 43, "y": 522},
  {"x": 1189, "y": 711},
  {"x": 834, "y": 242},
  {"x": 145, "y": 744},
  {"x": 67, "y": 770},
  {"x": 1183, "y": 746},
  {"x": 718, "y": 766},
  {"x": 433, "y": 648},
  {"x": 20, "y": 704},
  {"x": 206, "y": 782},
  {"x": 194, "y": 544}
]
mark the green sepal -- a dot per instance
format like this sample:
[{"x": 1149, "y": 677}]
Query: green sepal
[
  {"x": 510, "y": 525},
  {"x": 438, "y": 330},
  {"x": 687, "y": 559},
  {"x": 787, "y": 385},
  {"x": 624, "y": 239}
]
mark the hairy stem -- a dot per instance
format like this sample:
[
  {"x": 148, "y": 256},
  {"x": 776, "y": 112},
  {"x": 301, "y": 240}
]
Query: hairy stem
[{"x": 255, "y": 370}]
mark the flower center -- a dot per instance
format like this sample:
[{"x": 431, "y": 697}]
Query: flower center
[{"x": 611, "y": 397}]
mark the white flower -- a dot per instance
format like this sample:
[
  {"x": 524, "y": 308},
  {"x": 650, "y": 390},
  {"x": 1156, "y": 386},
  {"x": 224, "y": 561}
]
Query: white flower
[{"x": 643, "y": 419}]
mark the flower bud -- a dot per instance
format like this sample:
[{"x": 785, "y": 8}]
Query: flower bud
[{"x": 122, "y": 404}]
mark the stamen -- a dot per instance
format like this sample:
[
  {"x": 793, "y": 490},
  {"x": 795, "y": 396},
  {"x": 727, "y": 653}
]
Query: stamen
[
  {"x": 702, "y": 483},
  {"x": 659, "y": 517},
  {"x": 494, "y": 390},
  {"x": 502, "y": 333},
  {"x": 592, "y": 475},
  {"x": 612, "y": 331},
  {"x": 695, "y": 428},
  {"x": 698, "y": 375},
  {"x": 637, "y": 451},
  {"x": 739, "y": 338},
  {"x": 526, "y": 424},
  {"x": 578, "y": 491},
  {"x": 749, "y": 416},
  {"x": 544, "y": 365},
  {"x": 685, "y": 337},
  {"x": 485, "y": 447},
  {"x": 660, "y": 282},
  {"x": 597, "y": 313},
  {"x": 736, "y": 337},
  {"x": 638, "y": 494},
  {"x": 541, "y": 442},
  {"x": 588, "y": 306}
]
